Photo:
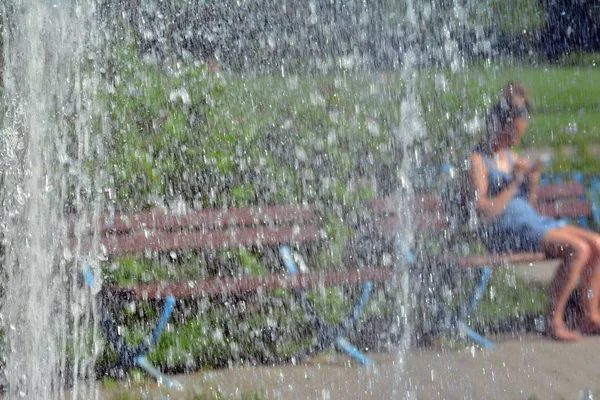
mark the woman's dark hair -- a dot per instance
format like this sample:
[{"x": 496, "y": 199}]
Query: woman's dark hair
[{"x": 503, "y": 112}]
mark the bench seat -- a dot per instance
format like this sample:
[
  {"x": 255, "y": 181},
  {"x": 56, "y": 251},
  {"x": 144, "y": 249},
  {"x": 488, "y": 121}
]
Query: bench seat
[{"x": 248, "y": 284}]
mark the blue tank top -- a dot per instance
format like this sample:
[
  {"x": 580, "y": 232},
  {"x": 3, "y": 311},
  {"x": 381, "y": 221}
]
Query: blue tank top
[
  {"x": 519, "y": 227},
  {"x": 498, "y": 180}
]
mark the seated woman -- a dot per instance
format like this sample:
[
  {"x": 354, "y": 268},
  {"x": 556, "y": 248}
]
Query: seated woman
[{"x": 504, "y": 189}]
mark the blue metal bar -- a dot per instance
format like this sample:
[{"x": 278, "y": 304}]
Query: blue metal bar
[
  {"x": 161, "y": 378},
  {"x": 129, "y": 356},
  {"x": 594, "y": 193},
  {"x": 359, "y": 306},
  {"x": 340, "y": 341},
  {"x": 474, "y": 336},
  {"x": 486, "y": 273},
  {"x": 288, "y": 259},
  {"x": 410, "y": 257},
  {"x": 164, "y": 318},
  {"x": 89, "y": 277},
  {"x": 351, "y": 350},
  {"x": 152, "y": 339}
]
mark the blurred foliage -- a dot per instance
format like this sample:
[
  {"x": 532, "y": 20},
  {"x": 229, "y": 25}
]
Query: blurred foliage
[
  {"x": 512, "y": 16},
  {"x": 211, "y": 140},
  {"x": 219, "y": 141},
  {"x": 269, "y": 36}
]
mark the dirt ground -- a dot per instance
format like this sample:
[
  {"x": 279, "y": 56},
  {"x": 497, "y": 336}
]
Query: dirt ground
[{"x": 519, "y": 367}]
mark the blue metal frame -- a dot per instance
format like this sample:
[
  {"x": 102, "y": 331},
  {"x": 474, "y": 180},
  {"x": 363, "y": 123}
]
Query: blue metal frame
[
  {"x": 594, "y": 196},
  {"x": 479, "y": 292},
  {"x": 472, "y": 303},
  {"x": 329, "y": 335},
  {"x": 130, "y": 357}
]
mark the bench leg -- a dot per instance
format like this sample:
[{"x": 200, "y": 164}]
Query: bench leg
[
  {"x": 160, "y": 378},
  {"x": 344, "y": 345},
  {"x": 129, "y": 357},
  {"x": 474, "y": 336},
  {"x": 359, "y": 306},
  {"x": 162, "y": 322},
  {"x": 341, "y": 341},
  {"x": 473, "y": 302},
  {"x": 325, "y": 333}
]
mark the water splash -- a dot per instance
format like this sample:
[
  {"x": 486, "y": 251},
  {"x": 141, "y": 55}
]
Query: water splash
[
  {"x": 47, "y": 131},
  {"x": 431, "y": 43}
]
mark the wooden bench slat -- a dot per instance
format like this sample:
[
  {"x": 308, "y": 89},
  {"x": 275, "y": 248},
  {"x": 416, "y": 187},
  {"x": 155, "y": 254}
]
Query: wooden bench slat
[
  {"x": 556, "y": 200},
  {"x": 390, "y": 226},
  {"x": 207, "y": 219},
  {"x": 565, "y": 209},
  {"x": 137, "y": 242},
  {"x": 497, "y": 260},
  {"x": 208, "y": 229},
  {"x": 419, "y": 204},
  {"x": 552, "y": 192},
  {"x": 246, "y": 284}
]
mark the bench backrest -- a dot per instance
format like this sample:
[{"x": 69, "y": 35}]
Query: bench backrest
[
  {"x": 159, "y": 231},
  {"x": 422, "y": 211},
  {"x": 210, "y": 229},
  {"x": 563, "y": 200},
  {"x": 427, "y": 211}
]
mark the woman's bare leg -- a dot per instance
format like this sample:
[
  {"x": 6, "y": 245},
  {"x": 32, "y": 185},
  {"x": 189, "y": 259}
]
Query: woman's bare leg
[
  {"x": 590, "y": 281},
  {"x": 575, "y": 253}
]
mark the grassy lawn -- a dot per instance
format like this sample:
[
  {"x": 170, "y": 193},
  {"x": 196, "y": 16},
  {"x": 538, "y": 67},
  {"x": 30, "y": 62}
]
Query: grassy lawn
[
  {"x": 563, "y": 98},
  {"x": 142, "y": 388},
  {"x": 566, "y": 101}
]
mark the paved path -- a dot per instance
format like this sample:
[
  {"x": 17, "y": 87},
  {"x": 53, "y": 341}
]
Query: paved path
[{"x": 519, "y": 367}]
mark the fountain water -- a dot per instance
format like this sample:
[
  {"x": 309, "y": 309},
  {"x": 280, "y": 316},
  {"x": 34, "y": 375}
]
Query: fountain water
[{"x": 49, "y": 81}]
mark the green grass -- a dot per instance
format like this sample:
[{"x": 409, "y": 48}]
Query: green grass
[
  {"x": 141, "y": 388},
  {"x": 555, "y": 91},
  {"x": 328, "y": 139},
  {"x": 510, "y": 299},
  {"x": 563, "y": 97},
  {"x": 564, "y": 129}
]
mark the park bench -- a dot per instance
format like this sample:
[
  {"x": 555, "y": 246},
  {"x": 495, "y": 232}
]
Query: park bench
[
  {"x": 282, "y": 227},
  {"x": 431, "y": 214}
]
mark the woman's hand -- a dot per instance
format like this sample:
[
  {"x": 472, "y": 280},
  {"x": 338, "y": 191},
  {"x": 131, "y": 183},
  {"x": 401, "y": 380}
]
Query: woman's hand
[
  {"x": 535, "y": 171},
  {"x": 521, "y": 170},
  {"x": 533, "y": 180}
]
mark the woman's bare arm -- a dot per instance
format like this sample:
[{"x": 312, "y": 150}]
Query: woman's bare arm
[
  {"x": 488, "y": 207},
  {"x": 533, "y": 181},
  {"x": 533, "y": 175}
]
